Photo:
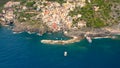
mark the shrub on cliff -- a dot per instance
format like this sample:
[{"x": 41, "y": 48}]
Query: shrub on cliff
[
  {"x": 30, "y": 4},
  {"x": 23, "y": 1}
]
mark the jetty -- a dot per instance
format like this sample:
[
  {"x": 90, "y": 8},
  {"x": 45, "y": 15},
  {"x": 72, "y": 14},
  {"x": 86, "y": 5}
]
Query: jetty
[{"x": 74, "y": 39}]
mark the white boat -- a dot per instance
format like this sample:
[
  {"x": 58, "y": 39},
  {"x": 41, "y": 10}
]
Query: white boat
[
  {"x": 89, "y": 39},
  {"x": 65, "y": 53}
]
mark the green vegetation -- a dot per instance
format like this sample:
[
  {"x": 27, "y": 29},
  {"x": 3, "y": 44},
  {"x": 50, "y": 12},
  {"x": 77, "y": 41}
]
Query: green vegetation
[
  {"x": 23, "y": 1},
  {"x": 93, "y": 18},
  {"x": 2, "y": 2},
  {"x": 0, "y": 9},
  {"x": 76, "y": 11},
  {"x": 59, "y": 1},
  {"x": 23, "y": 15},
  {"x": 30, "y": 4},
  {"x": 117, "y": 1}
]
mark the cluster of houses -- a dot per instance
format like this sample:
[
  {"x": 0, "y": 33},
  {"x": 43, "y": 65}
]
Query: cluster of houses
[
  {"x": 7, "y": 16},
  {"x": 53, "y": 14},
  {"x": 56, "y": 16}
]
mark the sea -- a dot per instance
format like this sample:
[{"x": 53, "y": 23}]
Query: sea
[{"x": 24, "y": 50}]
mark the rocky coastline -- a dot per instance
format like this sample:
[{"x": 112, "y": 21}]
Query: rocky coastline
[{"x": 46, "y": 16}]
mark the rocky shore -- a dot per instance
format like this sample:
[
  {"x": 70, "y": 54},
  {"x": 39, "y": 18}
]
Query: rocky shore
[{"x": 49, "y": 16}]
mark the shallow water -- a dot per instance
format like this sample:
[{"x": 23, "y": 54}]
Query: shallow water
[{"x": 25, "y": 51}]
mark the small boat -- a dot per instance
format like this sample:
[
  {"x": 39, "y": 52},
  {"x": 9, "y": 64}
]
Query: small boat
[
  {"x": 65, "y": 53},
  {"x": 89, "y": 39}
]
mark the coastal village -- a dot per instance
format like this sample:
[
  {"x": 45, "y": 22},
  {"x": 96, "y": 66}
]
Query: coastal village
[
  {"x": 66, "y": 15},
  {"x": 53, "y": 15}
]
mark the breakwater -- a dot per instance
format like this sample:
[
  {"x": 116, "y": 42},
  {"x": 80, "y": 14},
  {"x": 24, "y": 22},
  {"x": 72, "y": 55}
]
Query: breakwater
[{"x": 72, "y": 40}]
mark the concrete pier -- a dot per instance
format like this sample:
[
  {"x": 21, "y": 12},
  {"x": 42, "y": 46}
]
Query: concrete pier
[{"x": 74, "y": 39}]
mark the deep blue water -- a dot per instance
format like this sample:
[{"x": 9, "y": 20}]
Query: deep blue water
[{"x": 26, "y": 51}]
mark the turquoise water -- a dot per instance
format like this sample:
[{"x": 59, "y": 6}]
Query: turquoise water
[{"x": 25, "y": 51}]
